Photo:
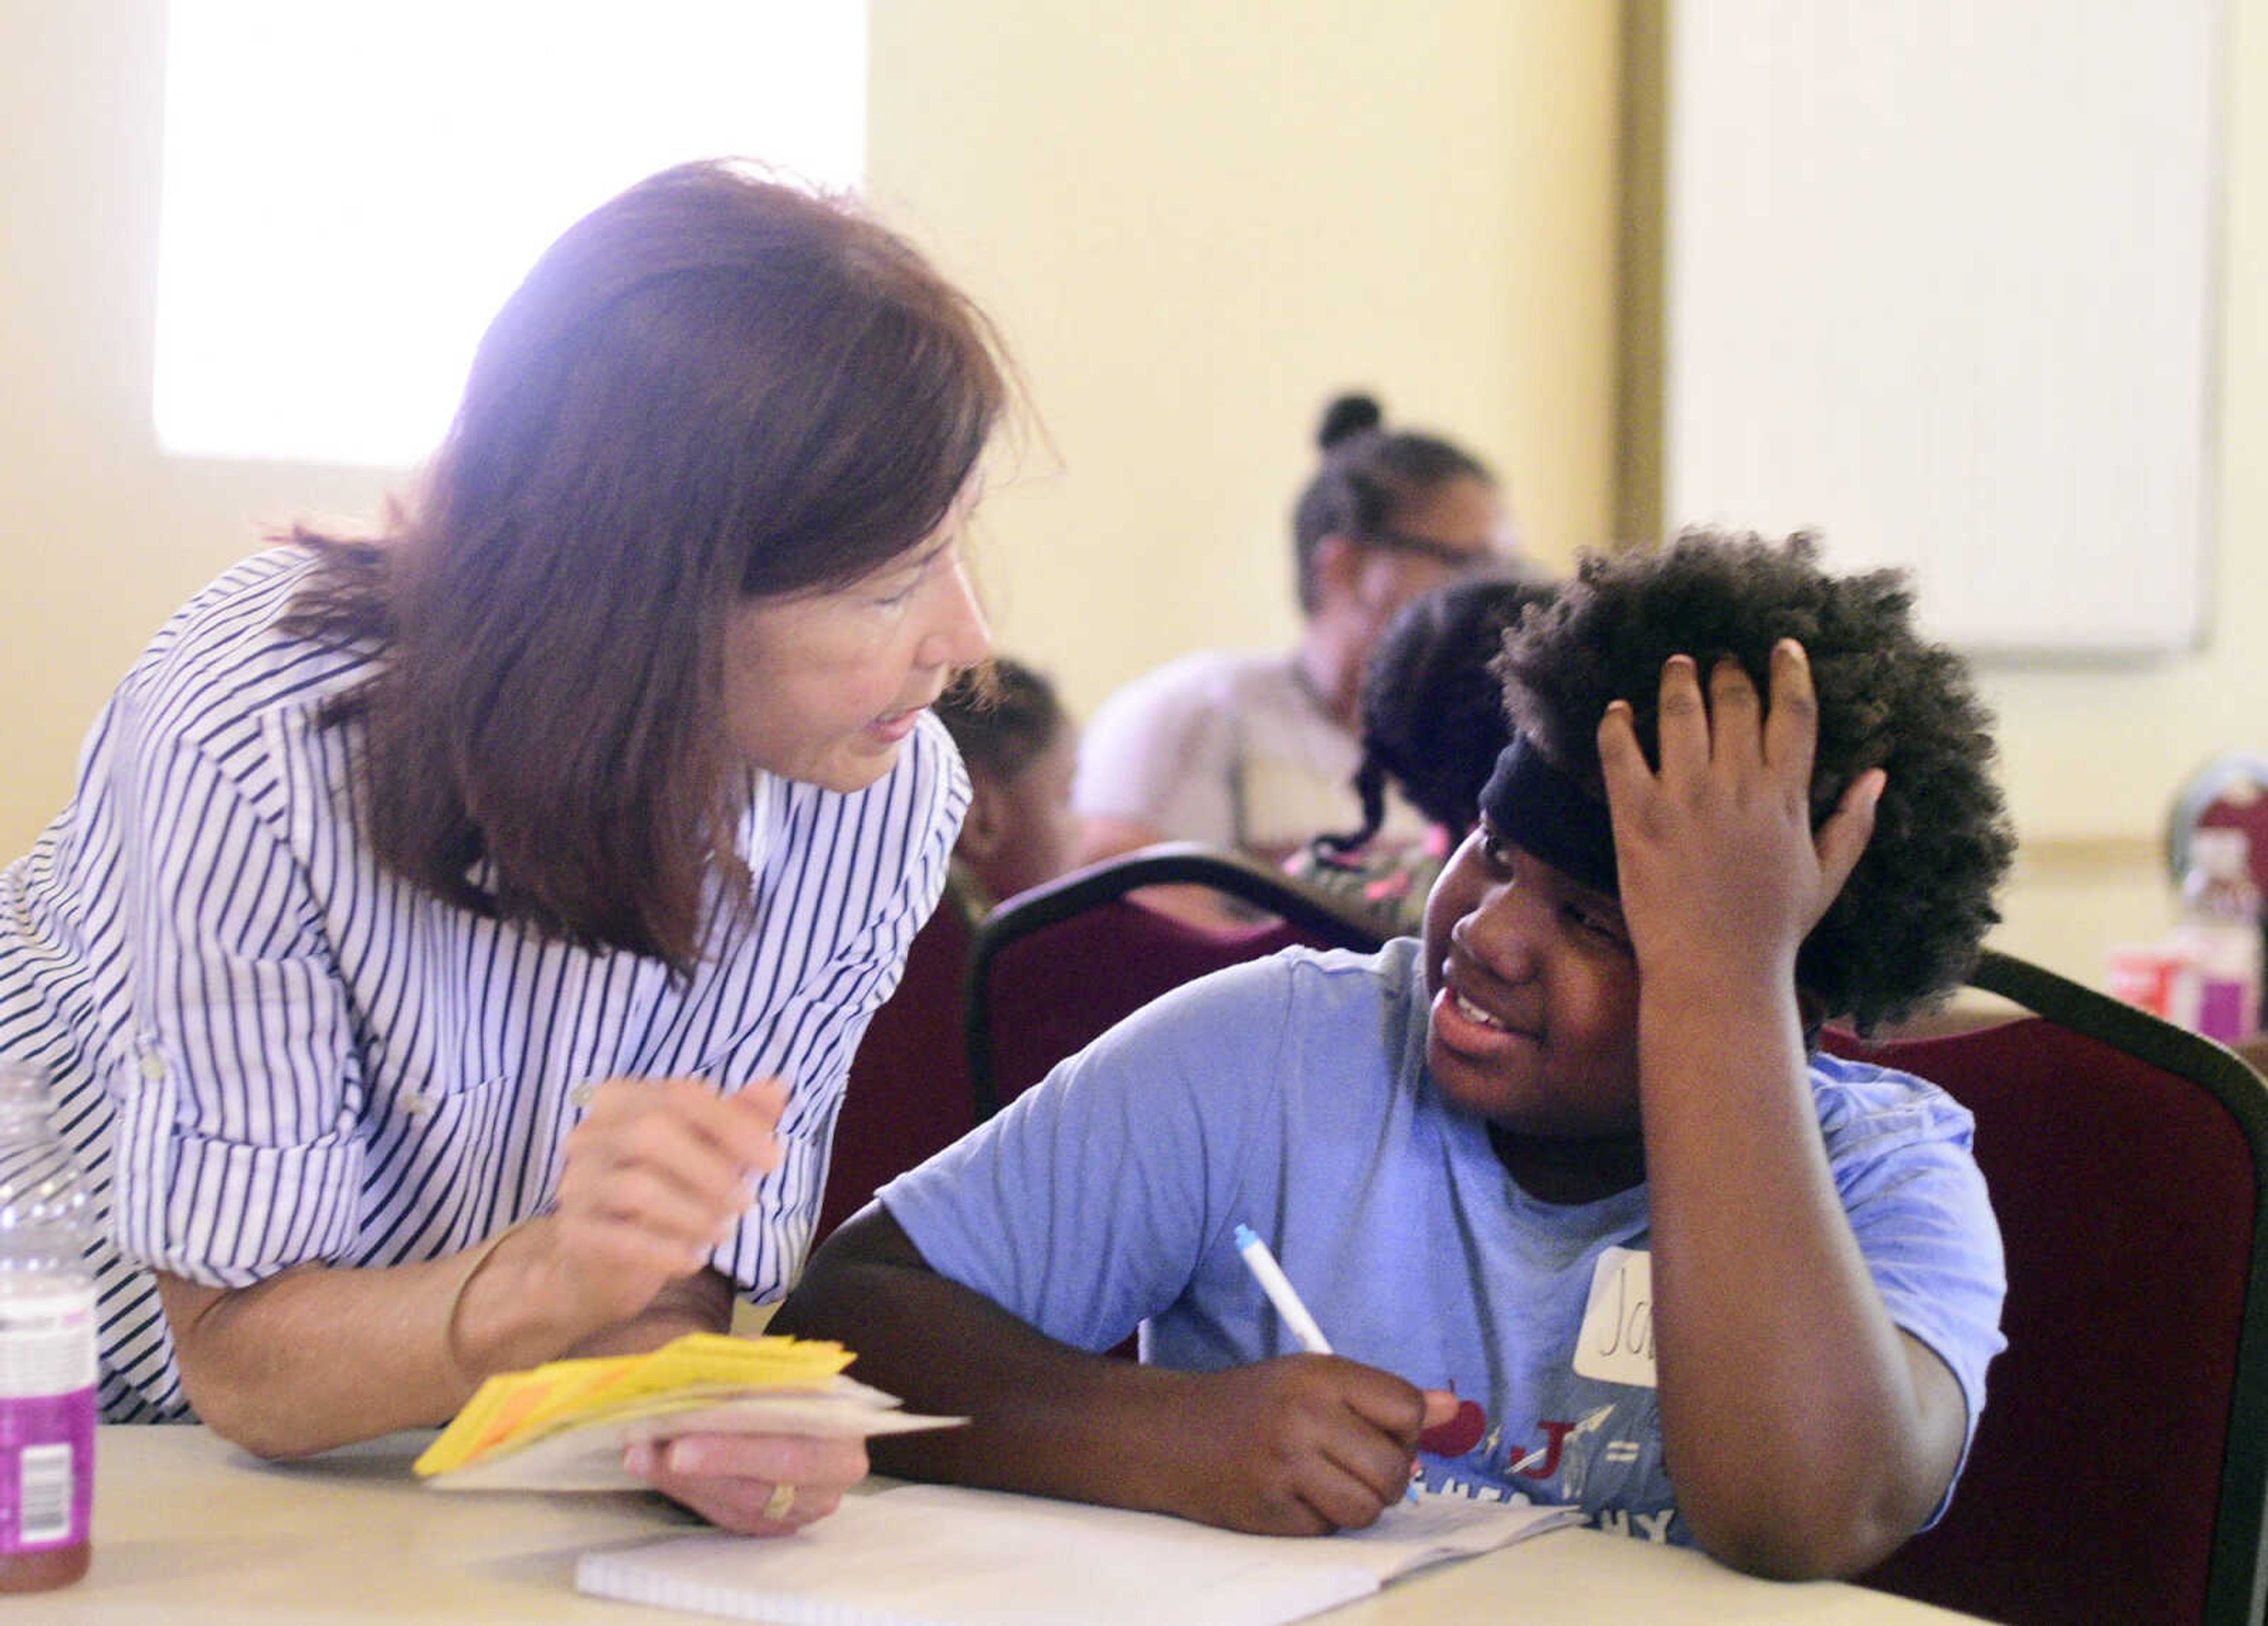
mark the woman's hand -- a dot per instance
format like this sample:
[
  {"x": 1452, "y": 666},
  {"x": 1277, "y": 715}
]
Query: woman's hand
[
  {"x": 655, "y": 1177},
  {"x": 1716, "y": 852},
  {"x": 1302, "y": 1444},
  {"x": 755, "y": 1484}
]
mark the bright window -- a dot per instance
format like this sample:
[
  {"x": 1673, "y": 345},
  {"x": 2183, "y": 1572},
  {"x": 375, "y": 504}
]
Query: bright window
[{"x": 351, "y": 190}]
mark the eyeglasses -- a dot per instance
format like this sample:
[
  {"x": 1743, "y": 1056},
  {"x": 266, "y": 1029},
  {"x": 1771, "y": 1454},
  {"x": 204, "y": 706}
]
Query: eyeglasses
[{"x": 1440, "y": 553}]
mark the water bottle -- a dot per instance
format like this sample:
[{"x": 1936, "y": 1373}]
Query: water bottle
[
  {"x": 47, "y": 1345},
  {"x": 2219, "y": 938}
]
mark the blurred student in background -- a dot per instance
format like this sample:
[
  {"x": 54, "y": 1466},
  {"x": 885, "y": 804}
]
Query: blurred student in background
[
  {"x": 1020, "y": 747},
  {"x": 1432, "y": 725},
  {"x": 1257, "y": 751}
]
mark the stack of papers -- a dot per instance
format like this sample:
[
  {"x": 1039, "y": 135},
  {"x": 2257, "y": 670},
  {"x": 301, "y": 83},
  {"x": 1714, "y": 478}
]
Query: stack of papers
[{"x": 563, "y": 1425}]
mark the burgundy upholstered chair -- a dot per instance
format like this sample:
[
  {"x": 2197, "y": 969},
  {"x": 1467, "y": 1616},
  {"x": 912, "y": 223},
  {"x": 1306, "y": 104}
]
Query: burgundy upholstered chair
[
  {"x": 1056, "y": 966},
  {"x": 2119, "y": 1475},
  {"x": 908, "y": 1094}
]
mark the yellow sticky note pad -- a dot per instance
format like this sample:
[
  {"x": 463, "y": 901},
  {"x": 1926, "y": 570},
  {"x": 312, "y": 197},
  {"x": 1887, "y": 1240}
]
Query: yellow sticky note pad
[{"x": 515, "y": 1407}]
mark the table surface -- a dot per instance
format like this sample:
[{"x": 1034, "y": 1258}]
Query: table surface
[{"x": 188, "y": 1530}]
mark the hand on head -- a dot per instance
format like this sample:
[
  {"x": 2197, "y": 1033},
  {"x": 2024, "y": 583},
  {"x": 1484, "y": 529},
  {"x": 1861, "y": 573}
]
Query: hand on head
[{"x": 1715, "y": 851}]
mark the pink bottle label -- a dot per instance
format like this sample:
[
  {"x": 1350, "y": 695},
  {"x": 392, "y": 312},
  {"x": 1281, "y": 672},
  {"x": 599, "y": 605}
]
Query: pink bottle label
[{"x": 47, "y": 1471}]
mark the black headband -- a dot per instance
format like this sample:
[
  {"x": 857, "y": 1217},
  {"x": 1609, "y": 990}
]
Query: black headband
[{"x": 1532, "y": 805}]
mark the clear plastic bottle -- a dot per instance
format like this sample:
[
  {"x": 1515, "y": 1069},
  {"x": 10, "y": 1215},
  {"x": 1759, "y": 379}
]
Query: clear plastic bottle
[
  {"x": 2219, "y": 938},
  {"x": 47, "y": 1345}
]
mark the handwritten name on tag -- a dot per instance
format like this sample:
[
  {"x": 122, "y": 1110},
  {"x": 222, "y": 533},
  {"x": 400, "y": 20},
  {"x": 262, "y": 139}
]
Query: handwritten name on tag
[{"x": 1616, "y": 1342}]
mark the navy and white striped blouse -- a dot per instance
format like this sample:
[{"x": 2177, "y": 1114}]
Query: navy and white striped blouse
[{"x": 269, "y": 1051}]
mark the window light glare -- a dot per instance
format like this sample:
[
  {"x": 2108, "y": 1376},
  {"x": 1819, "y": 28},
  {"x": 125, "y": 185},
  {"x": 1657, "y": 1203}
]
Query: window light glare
[{"x": 349, "y": 192}]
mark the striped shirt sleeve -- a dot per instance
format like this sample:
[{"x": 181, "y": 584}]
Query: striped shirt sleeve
[{"x": 237, "y": 1088}]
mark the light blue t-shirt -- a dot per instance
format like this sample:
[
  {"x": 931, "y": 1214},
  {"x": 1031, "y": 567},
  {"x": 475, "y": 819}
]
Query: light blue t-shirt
[{"x": 1291, "y": 1094}]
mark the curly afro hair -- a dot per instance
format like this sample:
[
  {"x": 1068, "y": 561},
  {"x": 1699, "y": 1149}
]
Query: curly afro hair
[{"x": 1908, "y": 924}]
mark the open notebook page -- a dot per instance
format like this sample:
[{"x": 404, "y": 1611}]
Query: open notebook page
[{"x": 942, "y": 1555}]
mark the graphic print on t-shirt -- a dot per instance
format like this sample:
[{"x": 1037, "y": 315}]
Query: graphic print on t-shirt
[{"x": 1598, "y": 1439}]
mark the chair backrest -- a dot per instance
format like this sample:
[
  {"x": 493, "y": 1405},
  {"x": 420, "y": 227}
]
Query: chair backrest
[
  {"x": 908, "y": 1094},
  {"x": 1055, "y": 966},
  {"x": 2120, "y": 1469}
]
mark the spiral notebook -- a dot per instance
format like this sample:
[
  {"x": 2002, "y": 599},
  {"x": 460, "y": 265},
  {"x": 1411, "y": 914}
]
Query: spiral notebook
[{"x": 941, "y": 1556}]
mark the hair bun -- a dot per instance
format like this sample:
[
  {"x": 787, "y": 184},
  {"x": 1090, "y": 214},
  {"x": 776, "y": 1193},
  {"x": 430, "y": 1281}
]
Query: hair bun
[{"x": 1348, "y": 415}]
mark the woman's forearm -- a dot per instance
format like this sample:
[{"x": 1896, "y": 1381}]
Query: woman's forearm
[{"x": 323, "y": 1356}]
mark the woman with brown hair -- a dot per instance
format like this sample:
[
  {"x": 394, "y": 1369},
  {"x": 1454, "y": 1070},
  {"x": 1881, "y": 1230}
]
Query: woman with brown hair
[{"x": 453, "y": 952}]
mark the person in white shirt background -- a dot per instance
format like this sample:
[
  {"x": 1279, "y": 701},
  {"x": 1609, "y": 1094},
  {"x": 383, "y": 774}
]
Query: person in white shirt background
[{"x": 1258, "y": 751}]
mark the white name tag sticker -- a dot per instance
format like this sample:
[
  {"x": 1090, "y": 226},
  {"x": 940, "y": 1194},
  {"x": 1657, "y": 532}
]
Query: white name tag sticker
[{"x": 1616, "y": 1343}]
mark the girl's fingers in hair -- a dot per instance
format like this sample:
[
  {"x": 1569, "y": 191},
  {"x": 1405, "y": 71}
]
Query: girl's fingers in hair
[
  {"x": 1684, "y": 722},
  {"x": 1735, "y": 717},
  {"x": 1621, "y": 761},
  {"x": 1792, "y": 727},
  {"x": 1843, "y": 839}
]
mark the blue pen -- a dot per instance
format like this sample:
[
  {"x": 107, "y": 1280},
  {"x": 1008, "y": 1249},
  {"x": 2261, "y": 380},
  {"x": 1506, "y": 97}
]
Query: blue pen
[
  {"x": 1280, "y": 1291},
  {"x": 1286, "y": 1298}
]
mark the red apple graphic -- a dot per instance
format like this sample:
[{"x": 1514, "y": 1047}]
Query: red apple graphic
[{"x": 1460, "y": 1434}]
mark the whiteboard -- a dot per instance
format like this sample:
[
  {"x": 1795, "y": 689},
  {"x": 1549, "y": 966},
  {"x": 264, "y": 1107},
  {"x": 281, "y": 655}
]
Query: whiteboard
[{"x": 1940, "y": 284}]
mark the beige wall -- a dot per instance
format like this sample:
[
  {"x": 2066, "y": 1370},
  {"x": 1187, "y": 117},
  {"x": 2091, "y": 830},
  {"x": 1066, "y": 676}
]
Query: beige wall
[
  {"x": 2093, "y": 756},
  {"x": 99, "y": 537},
  {"x": 1193, "y": 222}
]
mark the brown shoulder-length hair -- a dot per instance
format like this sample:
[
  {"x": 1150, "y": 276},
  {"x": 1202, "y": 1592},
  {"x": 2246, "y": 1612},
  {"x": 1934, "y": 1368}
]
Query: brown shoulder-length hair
[{"x": 712, "y": 387}]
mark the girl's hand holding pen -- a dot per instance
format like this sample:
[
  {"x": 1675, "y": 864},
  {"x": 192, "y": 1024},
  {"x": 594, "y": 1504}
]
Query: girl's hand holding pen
[
  {"x": 1330, "y": 1443},
  {"x": 1303, "y": 1444}
]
